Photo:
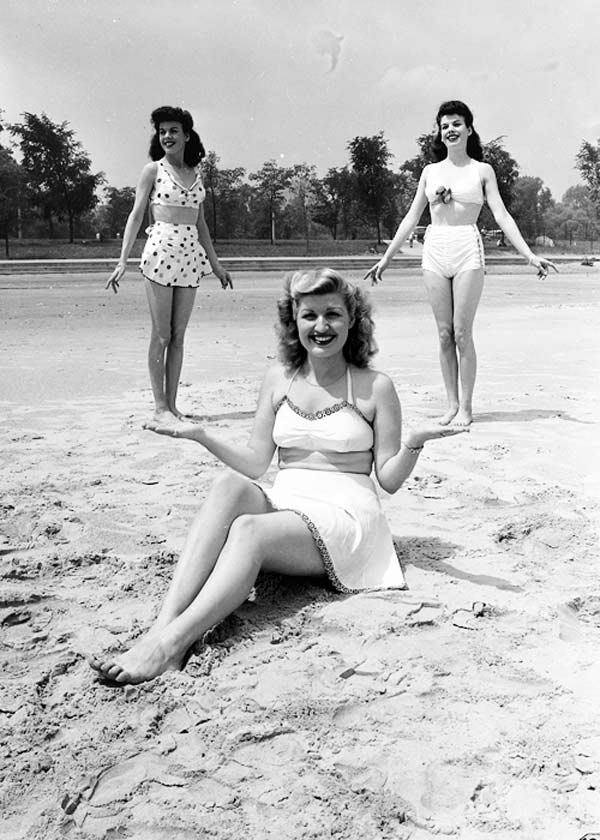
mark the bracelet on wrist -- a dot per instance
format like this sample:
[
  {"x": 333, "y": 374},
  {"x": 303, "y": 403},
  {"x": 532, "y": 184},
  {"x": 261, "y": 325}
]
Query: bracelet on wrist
[{"x": 414, "y": 449}]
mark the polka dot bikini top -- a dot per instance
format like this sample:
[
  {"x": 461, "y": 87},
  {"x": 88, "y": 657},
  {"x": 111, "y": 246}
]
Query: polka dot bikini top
[{"x": 168, "y": 192}]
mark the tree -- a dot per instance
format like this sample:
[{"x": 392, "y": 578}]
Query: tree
[
  {"x": 57, "y": 169},
  {"x": 223, "y": 193},
  {"x": 271, "y": 183},
  {"x": 414, "y": 166},
  {"x": 505, "y": 167},
  {"x": 111, "y": 215},
  {"x": 410, "y": 172},
  {"x": 531, "y": 201},
  {"x": 12, "y": 185},
  {"x": 369, "y": 157},
  {"x": 575, "y": 217},
  {"x": 304, "y": 190},
  {"x": 335, "y": 198},
  {"x": 587, "y": 160}
]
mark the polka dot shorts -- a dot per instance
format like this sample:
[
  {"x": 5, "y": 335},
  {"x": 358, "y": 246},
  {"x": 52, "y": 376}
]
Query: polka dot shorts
[{"x": 173, "y": 256}]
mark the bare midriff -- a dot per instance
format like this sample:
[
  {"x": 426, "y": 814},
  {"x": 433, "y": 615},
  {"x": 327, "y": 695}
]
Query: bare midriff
[
  {"x": 350, "y": 462},
  {"x": 174, "y": 215},
  {"x": 454, "y": 213}
]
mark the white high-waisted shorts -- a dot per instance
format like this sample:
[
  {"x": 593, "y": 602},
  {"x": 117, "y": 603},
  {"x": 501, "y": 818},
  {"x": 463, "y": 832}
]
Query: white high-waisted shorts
[{"x": 450, "y": 249}]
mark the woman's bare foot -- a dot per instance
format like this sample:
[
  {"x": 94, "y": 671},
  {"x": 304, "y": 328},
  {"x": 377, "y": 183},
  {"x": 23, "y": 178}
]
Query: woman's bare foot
[
  {"x": 464, "y": 417},
  {"x": 177, "y": 413},
  {"x": 448, "y": 416},
  {"x": 151, "y": 656},
  {"x": 165, "y": 417}
]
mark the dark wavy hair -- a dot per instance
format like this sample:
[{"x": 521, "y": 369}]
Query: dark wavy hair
[
  {"x": 194, "y": 150},
  {"x": 446, "y": 109},
  {"x": 360, "y": 344}
]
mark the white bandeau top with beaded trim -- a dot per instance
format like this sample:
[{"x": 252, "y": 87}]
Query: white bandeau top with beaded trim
[{"x": 341, "y": 427}]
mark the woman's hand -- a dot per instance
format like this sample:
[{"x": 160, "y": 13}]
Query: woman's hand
[
  {"x": 415, "y": 438},
  {"x": 224, "y": 276},
  {"x": 115, "y": 277},
  {"x": 174, "y": 430},
  {"x": 376, "y": 272},
  {"x": 542, "y": 266}
]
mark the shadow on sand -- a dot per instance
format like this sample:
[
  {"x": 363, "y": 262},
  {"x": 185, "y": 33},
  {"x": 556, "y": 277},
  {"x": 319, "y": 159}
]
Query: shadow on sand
[
  {"x": 432, "y": 554},
  {"x": 226, "y": 415},
  {"x": 525, "y": 414}
]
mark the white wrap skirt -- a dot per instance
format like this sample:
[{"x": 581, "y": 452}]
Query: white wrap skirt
[{"x": 344, "y": 515}]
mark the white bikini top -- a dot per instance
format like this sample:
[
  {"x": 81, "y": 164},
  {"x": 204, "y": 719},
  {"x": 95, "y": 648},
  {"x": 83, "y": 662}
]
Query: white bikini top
[
  {"x": 468, "y": 191},
  {"x": 168, "y": 192},
  {"x": 341, "y": 427}
]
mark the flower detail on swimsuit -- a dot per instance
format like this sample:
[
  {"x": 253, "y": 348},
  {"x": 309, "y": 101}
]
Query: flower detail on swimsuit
[{"x": 444, "y": 195}]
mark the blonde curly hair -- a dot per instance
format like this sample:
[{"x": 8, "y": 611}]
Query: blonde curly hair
[{"x": 360, "y": 345}]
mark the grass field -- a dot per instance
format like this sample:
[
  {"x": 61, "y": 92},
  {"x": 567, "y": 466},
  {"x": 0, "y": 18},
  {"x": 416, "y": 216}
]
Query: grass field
[
  {"x": 81, "y": 248},
  {"x": 46, "y": 249}
]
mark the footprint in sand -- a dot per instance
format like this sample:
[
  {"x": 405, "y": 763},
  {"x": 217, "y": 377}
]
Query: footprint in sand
[{"x": 586, "y": 609}]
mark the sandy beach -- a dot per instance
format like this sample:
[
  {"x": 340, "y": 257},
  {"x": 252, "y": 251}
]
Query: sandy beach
[{"x": 465, "y": 706}]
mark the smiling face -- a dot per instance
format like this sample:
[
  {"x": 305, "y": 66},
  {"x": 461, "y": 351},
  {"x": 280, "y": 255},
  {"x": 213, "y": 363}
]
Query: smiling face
[
  {"x": 453, "y": 131},
  {"x": 172, "y": 138},
  {"x": 323, "y": 323}
]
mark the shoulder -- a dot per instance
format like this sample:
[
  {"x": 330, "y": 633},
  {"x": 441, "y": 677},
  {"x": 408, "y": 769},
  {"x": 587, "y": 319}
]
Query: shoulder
[
  {"x": 374, "y": 383},
  {"x": 486, "y": 170},
  {"x": 427, "y": 170},
  {"x": 149, "y": 171},
  {"x": 276, "y": 373},
  {"x": 382, "y": 384},
  {"x": 275, "y": 382},
  {"x": 146, "y": 181}
]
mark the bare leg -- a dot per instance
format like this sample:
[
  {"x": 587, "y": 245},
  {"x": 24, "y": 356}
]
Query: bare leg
[
  {"x": 439, "y": 291},
  {"x": 230, "y": 496},
  {"x": 467, "y": 289},
  {"x": 160, "y": 300},
  {"x": 183, "y": 304},
  {"x": 278, "y": 542}
]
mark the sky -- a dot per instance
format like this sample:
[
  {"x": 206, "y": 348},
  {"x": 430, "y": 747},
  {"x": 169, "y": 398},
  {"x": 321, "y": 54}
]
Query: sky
[{"x": 295, "y": 80}]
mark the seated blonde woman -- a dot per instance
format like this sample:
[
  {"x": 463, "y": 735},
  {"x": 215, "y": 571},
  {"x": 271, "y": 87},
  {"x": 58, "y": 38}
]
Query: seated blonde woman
[{"x": 334, "y": 421}]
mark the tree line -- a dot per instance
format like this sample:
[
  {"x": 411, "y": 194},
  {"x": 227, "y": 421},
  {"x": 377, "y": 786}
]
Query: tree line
[{"x": 47, "y": 189}]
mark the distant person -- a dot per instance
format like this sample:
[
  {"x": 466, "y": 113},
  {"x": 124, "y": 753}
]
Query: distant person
[
  {"x": 333, "y": 420},
  {"x": 178, "y": 251},
  {"x": 453, "y": 259}
]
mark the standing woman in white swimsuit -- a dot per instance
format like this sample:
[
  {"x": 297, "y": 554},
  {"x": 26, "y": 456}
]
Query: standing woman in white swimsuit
[
  {"x": 453, "y": 260},
  {"x": 333, "y": 421},
  {"x": 178, "y": 251}
]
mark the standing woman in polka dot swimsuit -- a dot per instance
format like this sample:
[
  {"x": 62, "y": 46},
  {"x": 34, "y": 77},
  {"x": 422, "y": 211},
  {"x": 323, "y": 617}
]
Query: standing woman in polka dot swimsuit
[{"x": 178, "y": 251}]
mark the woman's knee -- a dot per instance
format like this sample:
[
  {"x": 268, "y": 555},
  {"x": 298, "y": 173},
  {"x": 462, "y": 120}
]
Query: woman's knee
[
  {"x": 446, "y": 337},
  {"x": 161, "y": 338},
  {"x": 176, "y": 338},
  {"x": 463, "y": 337},
  {"x": 230, "y": 486}
]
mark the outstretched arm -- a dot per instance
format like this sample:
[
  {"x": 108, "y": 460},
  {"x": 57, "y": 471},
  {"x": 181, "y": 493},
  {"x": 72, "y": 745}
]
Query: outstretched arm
[
  {"x": 206, "y": 242},
  {"x": 134, "y": 221},
  {"x": 507, "y": 224},
  {"x": 251, "y": 459},
  {"x": 395, "y": 458},
  {"x": 405, "y": 228}
]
